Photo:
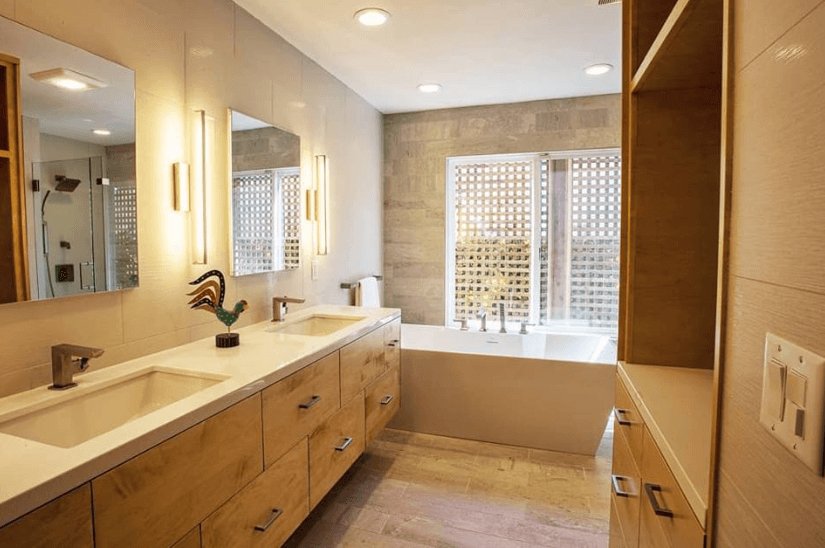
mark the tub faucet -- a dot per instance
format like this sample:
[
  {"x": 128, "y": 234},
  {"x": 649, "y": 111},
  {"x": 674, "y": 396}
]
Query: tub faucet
[
  {"x": 68, "y": 358},
  {"x": 279, "y": 308},
  {"x": 463, "y": 324},
  {"x": 482, "y": 315},
  {"x": 502, "y": 316}
]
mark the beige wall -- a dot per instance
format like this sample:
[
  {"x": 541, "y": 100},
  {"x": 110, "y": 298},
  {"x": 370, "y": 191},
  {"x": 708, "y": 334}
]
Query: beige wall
[
  {"x": 416, "y": 147},
  {"x": 766, "y": 496},
  {"x": 237, "y": 63}
]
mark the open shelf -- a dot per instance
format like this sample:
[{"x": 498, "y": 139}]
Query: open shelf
[{"x": 685, "y": 53}]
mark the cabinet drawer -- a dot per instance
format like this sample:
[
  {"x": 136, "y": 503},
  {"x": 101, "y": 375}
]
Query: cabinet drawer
[
  {"x": 616, "y": 538},
  {"x": 625, "y": 491},
  {"x": 65, "y": 522},
  {"x": 392, "y": 344},
  {"x": 361, "y": 363},
  {"x": 680, "y": 529},
  {"x": 266, "y": 511},
  {"x": 157, "y": 497},
  {"x": 334, "y": 447},
  {"x": 295, "y": 406},
  {"x": 628, "y": 421},
  {"x": 382, "y": 401}
]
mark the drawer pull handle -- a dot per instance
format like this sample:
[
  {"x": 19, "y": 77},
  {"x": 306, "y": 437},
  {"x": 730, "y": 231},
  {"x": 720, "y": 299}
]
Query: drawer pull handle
[
  {"x": 387, "y": 399},
  {"x": 347, "y": 442},
  {"x": 617, "y": 487},
  {"x": 620, "y": 414},
  {"x": 651, "y": 489},
  {"x": 312, "y": 401},
  {"x": 392, "y": 344},
  {"x": 276, "y": 513}
]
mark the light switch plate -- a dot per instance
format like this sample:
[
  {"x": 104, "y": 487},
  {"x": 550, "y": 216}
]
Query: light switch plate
[
  {"x": 800, "y": 429},
  {"x": 313, "y": 269}
]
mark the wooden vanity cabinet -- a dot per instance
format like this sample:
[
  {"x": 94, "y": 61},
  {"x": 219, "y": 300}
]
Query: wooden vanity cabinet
[
  {"x": 382, "y": 401},
  {"x": 65, "y": 521},
  {"x": 362, "y": 361},
  {"x": 158, "y": 496}
]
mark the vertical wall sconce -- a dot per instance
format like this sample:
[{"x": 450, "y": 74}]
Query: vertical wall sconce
[
  {"x": 321, "y": 205},
  {"x": 181, "y": 176},
  {"x": 203, "y": 131}
]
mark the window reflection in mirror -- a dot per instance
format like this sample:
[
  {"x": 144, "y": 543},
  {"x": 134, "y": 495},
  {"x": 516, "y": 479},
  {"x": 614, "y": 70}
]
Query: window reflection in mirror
[
  {"x": 69, "y": 215},
  {"x": 266, "y": 197}
]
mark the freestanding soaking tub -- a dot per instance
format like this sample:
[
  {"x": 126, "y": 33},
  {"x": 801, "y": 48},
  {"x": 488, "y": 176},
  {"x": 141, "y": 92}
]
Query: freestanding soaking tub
[{"x": 541, "y": 390}]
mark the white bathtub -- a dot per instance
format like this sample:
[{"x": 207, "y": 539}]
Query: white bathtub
[{"x": 546, "y": 391}]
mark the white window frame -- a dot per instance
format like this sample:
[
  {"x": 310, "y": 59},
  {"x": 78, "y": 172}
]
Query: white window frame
[{"x": 535, "y": 267}]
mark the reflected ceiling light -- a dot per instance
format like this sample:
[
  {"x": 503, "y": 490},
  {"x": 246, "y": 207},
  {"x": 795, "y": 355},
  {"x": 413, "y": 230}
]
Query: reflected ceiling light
[
  {"x": 372, "y": 17},
  {"x": 429, "y": 88},
  {"x": 68, "y": 79},
  {"x": 598, "y": 69},
  {"x": 103, "y": 132}
]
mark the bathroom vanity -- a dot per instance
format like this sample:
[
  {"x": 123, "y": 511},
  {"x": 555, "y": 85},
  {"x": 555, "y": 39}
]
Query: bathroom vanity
[{"x": 239, "y": 462}]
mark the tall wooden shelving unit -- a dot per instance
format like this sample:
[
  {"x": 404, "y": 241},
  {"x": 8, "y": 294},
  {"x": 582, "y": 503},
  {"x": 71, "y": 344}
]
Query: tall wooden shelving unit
[
  {"x": 671, "y": 282},
  {"x": 14, "y": 279}
]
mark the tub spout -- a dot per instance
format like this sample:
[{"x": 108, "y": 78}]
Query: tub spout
[{"x": 482, "y": 315}]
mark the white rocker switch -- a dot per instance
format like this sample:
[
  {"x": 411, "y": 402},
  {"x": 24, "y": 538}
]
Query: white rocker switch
[
  {"x": 775, "y": 376},
  {"x": 796, "y": 387}
]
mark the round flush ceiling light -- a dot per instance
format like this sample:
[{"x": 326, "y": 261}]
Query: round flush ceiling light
[
  {"x": 598, "y": 69},
  {"x": 372, "y": 17},
  {"x": 103, "y": 132},
  {"x": 429, "y": 88}
]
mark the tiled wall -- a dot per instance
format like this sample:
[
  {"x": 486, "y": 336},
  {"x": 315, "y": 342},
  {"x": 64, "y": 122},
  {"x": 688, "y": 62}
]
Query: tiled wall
[
  {"x": 768, "y": 498},
  {"x": 416, "y": 147},
  {"x": 188, "y": 55}
]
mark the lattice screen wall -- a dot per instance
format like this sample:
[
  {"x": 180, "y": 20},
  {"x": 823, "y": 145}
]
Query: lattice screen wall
[
  {"x": 493, "y": 239},
  {"x": 253, "y": 222},
  {"x": 124, "y": 215},
  {"x": 595, "y": 196},
  {"x": 291, "y": 188}
]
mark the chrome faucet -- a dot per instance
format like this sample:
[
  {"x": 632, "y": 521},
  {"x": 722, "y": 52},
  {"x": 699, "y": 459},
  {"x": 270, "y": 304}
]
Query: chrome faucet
[
  {"x": 502, "y": 316},
  {"x": 463, "y": 323},
  {"x": 482, "y": 315},
  {"x": 279, "y": 308},
  {"x": 523, "y": 330},
  {"x": 68, "y": 359}
]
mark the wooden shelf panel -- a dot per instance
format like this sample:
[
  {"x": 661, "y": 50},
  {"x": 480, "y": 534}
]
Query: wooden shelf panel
[{"x": 687, "y": 51}]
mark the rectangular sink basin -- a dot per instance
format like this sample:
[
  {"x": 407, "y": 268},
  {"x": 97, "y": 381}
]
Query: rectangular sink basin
[
  {"x": 85, "y": 415},
  {"x": 317, "y": 325}
]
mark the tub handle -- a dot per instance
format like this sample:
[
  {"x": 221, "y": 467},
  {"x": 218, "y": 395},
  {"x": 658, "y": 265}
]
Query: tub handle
[
  {"x": 387, "y": 399},
  {"x": 312, "y": 401},
  {"x": 346, "y": 443},
  {"x": 619, "y": 414},
  {"x": 617, "y": 485},
  {"x": 651, "y": 489}
]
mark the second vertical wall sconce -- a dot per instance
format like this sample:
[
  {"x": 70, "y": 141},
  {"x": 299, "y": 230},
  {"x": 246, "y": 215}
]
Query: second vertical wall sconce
[
  {"x": 321, "y": 205},
  {"x": 203, "y": 132},
  {"x": 181, "y": 176}
]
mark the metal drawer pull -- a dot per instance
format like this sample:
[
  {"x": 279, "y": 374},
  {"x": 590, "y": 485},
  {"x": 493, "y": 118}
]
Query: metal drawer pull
[
  {"x": 616, "y": 481},
  {"x": 392, "y": 344},
  {"x": 343, "y": 446},
  {"x": 312, "y": 401},
  {"x": 618, "y": 414},
  {"x": 651, "y": 489},
  {"x": 387, "y": 399},
  {"x": 276, "y": 513}
]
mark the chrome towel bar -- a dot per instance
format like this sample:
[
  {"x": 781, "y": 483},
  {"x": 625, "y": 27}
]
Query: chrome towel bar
[{"x": 353, "y": 285}]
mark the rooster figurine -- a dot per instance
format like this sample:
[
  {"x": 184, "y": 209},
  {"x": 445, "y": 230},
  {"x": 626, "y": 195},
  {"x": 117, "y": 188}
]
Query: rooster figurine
[{"x": 209, "y": 296}]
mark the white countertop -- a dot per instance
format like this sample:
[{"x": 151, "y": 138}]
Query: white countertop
[
  {"x": 676, "y": 404},
  {"x": 33, "y": 473}
]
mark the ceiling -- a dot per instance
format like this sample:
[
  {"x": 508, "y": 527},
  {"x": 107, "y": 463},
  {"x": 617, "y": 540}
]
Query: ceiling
[
  {"x": 480, "y": 51},
  {"x": 71, "y": 114}
]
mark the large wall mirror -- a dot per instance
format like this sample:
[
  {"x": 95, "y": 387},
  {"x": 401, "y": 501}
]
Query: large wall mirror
[
  {"x": 266, "y": 197},
  {"x": 68, "y": 212}
]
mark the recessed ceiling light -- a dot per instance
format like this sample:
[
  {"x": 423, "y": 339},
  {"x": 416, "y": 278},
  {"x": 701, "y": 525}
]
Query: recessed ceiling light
[
  {"x": 372, "y": 17},
  {"x": 68, "y": 79},
  {"x": 103, "y": 132},
  {"x": 598, "y": 69},
  {"x": 429, "y": 88}
]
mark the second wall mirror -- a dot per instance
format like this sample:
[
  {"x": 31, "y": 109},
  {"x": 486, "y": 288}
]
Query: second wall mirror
[{"x": 266, "y": 197}]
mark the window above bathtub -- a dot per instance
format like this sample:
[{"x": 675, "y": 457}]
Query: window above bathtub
[{"x": 540, "y": 232}]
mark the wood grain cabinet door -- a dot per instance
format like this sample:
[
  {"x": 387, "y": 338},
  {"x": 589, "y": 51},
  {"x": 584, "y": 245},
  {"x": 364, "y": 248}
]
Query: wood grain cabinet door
[
  {"x": 157, "y": 497},
  {"x": 266, "y": 511},
  {"x": 626, "y": 492},
  {"x": 65, "y": 522},
  {"x": 362, "y": 361},
  {"x": 382, "y": 400},
  {"x": 295, "y": 406},
  {"x": 392, "y": 344},
  {"x": 334, "y": 447}
]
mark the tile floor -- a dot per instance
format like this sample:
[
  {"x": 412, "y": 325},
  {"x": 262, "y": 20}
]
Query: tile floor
[{"x": 412, "y": 490}]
